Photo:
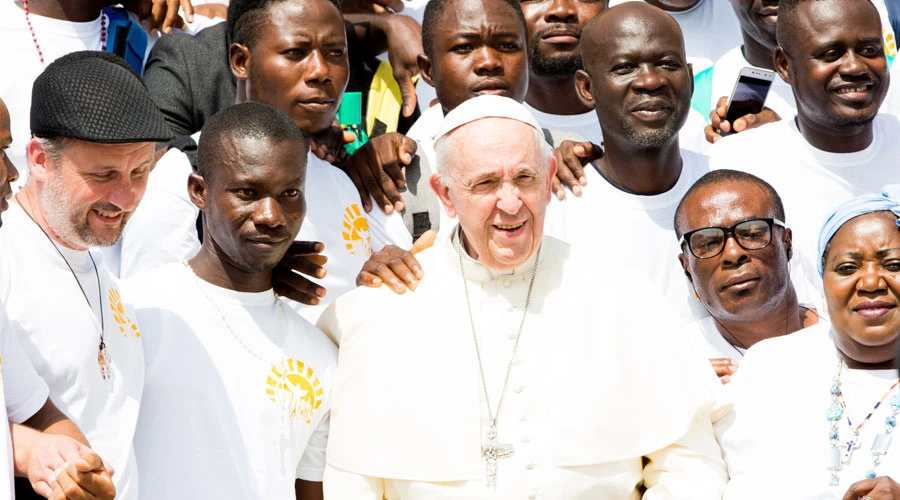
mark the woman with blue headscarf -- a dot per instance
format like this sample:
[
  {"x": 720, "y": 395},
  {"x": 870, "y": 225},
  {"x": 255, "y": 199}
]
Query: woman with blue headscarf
[{"x": 815, "y": 412}]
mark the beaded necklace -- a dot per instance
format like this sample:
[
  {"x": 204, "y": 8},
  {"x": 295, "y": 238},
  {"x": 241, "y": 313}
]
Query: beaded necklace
[
  {"x": 840, "y": 454},
  {"x": 104, "y": 23}
]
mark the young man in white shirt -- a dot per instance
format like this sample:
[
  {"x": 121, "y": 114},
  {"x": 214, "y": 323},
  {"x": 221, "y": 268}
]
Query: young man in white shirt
[
  {"x": 95, "y": 131},
  {"x": 238, "y": 386},
  {"x": 309, "y": 90},
  {"x": 838, "y": 145}
]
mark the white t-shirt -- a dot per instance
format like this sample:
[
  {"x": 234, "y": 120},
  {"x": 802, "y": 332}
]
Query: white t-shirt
[
  {"x": 776, "y": 439},
  {"x": 710, "y": 28},
  {"x": 712, "y": 343},
  {"x": 23, "y": 392},
  {"x": 623, "y": 227},
  {"x": 60, "y": 333},
  {"x": 163, "y": 228},
  {"x": 811, "y": 182},
  {"x": 237, "y": 410},
  {"x": 725, "y": 73}
]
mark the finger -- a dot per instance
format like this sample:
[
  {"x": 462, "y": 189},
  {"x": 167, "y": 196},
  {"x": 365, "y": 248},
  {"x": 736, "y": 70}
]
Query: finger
[
  {"x": 365, "y": 278},
  {"x": 745, "y": 122},
  {"x": 711, "y": 135},
  {"x": 93, "y": 480},
  {"x": 297, "y": 288},
  {"x": 860, "y": 489},
  {"x": 348, "y": 137},
  {"x": 42, "y": 488},
  {"x": 157, "y": 15},
  {"x": 407, "y": 91},
  {"x": 143, "y": 9},
  {"x": 366, "y": 163},
  {"x": 303, "y": 265},
  {"x": 70, "y": 488},
  {"x": 725, "y": 126},
  {"x": 558, "y": 188},
  {"x": 424, "y": 241},
  {"x": 305, "y": 248},
  {"x": 722, "y": 106},
  {"x": 396, "y": 5},
  {"x": 188, "y": 9},
  {"x": 394, "y": 277},
  {"x": 364, "y": 195},
  {"x": 171, "y": 16},
  {"x": 56, "y": 492},
  {"x": 564, "y": 172}
]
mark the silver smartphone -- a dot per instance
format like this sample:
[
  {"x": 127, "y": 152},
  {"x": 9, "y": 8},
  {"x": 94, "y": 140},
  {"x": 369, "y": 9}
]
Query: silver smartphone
[{"x": 749, "y": 94}]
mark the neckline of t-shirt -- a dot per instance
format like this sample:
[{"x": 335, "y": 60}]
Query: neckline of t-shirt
[
  {"x": 60, "y": 27},
  {"x": 552, "y": 121},
  {"x": 842, "y": 160},
  {"x": 622, "y": 199},
  {"x": 266, "y": 297},
  {"x": 699, "y": 4}
]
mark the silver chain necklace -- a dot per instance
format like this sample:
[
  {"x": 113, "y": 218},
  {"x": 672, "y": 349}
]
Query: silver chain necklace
[{"x": 492, "y": 450}]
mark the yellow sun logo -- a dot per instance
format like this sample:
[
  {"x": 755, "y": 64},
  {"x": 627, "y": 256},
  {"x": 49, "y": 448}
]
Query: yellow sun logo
[
  {"x": 126, "y": 326},
  {"x": 356, "y": 231},
  {"x": 890, "y": 44},
  {"x": 296, "y": 388}
]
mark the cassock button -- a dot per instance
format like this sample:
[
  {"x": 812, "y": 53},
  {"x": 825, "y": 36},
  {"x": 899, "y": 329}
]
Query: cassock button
[
  {"x": 522, "y": 418},
  {"x": 512, "y": 335},
  {"x": 507, "y": 282},
  {"x": 526, "y": 438},
  {"x": 530, "y": 466},
  {"x": 532, "y": 496},
  {"x": 520, "y": 389}
]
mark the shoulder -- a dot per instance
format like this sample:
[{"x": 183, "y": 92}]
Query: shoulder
[
  {"x": 755, "y": 142},
  {"x": 206, "y": 40},
  {"x": 157, "y": 285},
  {"x": 787, "y": 349}
]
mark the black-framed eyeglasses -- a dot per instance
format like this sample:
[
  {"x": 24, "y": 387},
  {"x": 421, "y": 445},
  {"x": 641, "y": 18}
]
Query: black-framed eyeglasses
[{"x": 750, "y": 234}]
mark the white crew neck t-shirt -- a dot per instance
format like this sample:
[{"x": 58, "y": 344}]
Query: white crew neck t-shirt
[
  {"x": 230, "y": 411},
  {"x": 60, "y": 334},
  {"x": 710, "y": 28},
  {"x": 776, "y": 440},
  {"x": 811, "y": 182},
  {"x": 23, "y": 392},
  {"x": 632, "y": 229}
]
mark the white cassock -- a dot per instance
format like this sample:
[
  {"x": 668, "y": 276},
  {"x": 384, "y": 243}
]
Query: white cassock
[
  {"x": 600, "y": 386},
  {"x": 776, "y": 439}
]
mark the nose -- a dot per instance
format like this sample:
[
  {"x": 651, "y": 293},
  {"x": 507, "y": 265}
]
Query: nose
[
  {"x": 871, "y": 278},
  {"x": 561, "y": 11},
  {"x": 853, "y": 65},
  {"x": 12, "y": 174},
  {"x": 650, "y": 79},
  {"x": 268, "y": 213},
  {"x": 127, "y": 192},
  {"x": 508, "y": 199},
  {"x": 733, "y": 253},
  {"x": 317, "y": 67},
  {"x": 487, "y": 61}
]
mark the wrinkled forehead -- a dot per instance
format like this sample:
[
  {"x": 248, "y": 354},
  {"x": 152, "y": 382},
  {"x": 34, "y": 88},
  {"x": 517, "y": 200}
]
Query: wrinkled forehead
[
  {"x": 491, "y": 144},
  {"x": 724, "y": 204},
  {"x": 626, "y": 27}
]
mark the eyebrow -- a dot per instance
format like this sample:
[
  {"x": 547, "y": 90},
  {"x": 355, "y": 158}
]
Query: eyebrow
[{"x": 880, "y": 253}]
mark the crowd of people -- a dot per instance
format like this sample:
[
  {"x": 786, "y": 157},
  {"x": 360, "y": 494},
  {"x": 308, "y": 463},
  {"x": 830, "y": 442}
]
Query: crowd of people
[{"x": 448, "y": 249}]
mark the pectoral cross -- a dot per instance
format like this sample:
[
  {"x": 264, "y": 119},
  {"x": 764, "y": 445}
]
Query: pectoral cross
[
  {"x": 491, "y": 450},
  {"x": 850, "y": 446}
]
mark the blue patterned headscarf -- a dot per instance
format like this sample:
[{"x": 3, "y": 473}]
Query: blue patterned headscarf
[{"x": 887, "y": 201}]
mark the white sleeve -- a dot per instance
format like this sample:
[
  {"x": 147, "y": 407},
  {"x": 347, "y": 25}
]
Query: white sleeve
[
  {"x": 312, "y": 463},
  {"x": 343, "y": 485},
  {"x": 25, "y": 391},
  {"x": 387, "y": 230},
  {"x": 689, "y": 469},
  {"x": 164, "y": 227}
]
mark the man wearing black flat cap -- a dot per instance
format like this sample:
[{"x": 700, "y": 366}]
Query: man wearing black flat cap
[{"x": 95, "y": 130}]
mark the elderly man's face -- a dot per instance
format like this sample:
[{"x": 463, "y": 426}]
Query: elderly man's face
[
  {"x": 8, "y": 172},
  {"x": 91, "y": 192},
  {"x": 499, "y": 188},
  {"x": 737, "y": 283}
]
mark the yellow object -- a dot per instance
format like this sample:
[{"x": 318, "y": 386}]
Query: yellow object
[{"x": 385, "y": 101}]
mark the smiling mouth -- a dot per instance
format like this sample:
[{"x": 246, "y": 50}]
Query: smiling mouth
[
  {"x": 852, "y": 90},
  {"x": 108, "y": 216},
  {"x": 509, "y": 228},
  {"x": 874, "y": 309}
]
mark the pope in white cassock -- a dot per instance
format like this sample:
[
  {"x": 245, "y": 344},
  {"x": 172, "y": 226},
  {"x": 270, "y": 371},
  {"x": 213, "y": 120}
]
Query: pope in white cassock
[{"x": 519, "y": 367}]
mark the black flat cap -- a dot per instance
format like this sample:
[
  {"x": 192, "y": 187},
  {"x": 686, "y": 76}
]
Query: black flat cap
[{"x": 97, "y": 97}]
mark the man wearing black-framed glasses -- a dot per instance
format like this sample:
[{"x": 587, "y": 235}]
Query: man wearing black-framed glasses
[{"x": 736, "y": 252}]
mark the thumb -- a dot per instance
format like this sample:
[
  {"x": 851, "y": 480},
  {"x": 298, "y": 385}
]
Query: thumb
[
  {"x": 424, "y": 241},
  {"x": 408, "y": 93}
]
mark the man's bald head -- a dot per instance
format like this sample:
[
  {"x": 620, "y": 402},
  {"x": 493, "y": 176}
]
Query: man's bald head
[
  {"x": 790, "y": 12},
  {"x": 636, "y": 75}
]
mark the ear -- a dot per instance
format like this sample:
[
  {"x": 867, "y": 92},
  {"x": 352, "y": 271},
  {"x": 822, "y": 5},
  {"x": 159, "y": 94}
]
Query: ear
[
  {"x": 443, "y": 193},
  {"x": 783, "y": 65},
  {"x": 683, "y": 260},
  {"x": 552, "y": 167},
  {"x": 39, "y": 162},
  {"x": 425, "y": 68},
  {"x": 787, "y": 239},
  {"x": 197, "y": 191},
  {"x": 239, "y": 60},
  {"x": 583, "y": 88}
]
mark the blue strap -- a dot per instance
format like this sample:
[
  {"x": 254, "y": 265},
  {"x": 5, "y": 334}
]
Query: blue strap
[{"x": 126, "y": 38}]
